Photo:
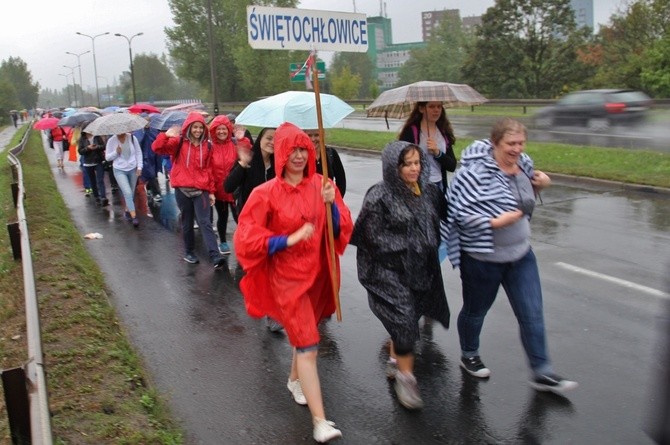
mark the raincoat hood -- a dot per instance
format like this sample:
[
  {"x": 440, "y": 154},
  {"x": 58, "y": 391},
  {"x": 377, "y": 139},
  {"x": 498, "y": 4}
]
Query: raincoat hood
[
  {"x": 215, "y": 123},
  {"x": 287, "y": 138},
  {"x": 193, "y": 117},
  {"x": 390, "y": 172}
]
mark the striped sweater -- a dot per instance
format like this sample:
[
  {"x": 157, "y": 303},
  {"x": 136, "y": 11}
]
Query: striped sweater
[{"x": 479, "y": 191}]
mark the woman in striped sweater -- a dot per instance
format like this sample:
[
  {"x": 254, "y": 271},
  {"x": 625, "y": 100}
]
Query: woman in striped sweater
[{"x": 490, "y": 203}]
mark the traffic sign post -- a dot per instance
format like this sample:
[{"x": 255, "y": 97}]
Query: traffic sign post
[
  {"x": 302, "y": 29},
  {"x": 300, "y": 75}
]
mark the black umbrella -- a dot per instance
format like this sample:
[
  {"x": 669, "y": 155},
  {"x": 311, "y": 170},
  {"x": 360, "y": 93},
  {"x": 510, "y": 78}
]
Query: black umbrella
[{"x": 78, "y": 118}]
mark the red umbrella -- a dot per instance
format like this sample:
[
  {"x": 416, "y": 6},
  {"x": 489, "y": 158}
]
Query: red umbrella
[
  {"x": 46, "y": 123},
  {"x": 143, "y": 108}
]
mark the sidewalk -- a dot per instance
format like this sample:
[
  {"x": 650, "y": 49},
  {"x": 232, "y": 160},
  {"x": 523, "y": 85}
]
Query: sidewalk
[{"x": 6, "y": 136}]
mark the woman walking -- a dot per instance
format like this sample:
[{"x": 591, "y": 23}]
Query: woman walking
[
  {"x": 126, "y": 155},
  {"x": 281, "y": 242},
  {"x": 224, "y": 155},
  {"x": 397, "y": 234},
  {"x": 191, "y": 177}
]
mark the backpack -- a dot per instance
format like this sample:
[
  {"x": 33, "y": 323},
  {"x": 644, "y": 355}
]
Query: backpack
[{"x": 66, "y": 142}]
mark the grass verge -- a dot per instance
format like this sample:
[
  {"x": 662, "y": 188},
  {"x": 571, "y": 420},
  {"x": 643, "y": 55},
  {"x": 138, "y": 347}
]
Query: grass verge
[
  {"x": 98, "y": 392},
  {"x": 614, "y": 164}
]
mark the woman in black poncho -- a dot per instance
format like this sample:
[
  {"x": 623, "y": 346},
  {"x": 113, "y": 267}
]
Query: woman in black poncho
[{"x": 397, "y": 234}]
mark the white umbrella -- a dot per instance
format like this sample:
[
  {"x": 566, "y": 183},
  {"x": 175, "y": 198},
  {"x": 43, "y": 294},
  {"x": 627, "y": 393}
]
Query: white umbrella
[
  {"x": 297, "y": 107},
  {"x": 116, "y": 123}
]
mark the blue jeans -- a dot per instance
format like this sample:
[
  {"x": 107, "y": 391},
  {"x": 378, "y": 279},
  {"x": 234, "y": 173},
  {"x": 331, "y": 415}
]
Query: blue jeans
[
  {"x": 85, "y": 178},
  {"x": 127, "y": 180},
  {"x": 197, "y": 208},
  {"x": 96, "y": 175},
  {"x": 521, "y": 281}
]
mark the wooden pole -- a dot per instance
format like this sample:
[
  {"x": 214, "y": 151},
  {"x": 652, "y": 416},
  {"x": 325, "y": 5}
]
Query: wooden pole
[{"x": 324, "y": 171}]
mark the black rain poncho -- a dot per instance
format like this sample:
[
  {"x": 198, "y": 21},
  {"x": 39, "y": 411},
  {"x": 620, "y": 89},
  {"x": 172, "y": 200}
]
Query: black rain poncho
[{"x": 397, "y": 235}]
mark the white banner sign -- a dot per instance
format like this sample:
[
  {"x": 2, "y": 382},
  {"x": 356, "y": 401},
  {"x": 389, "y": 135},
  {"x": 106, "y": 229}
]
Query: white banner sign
[{"x": 305, "y": 29}]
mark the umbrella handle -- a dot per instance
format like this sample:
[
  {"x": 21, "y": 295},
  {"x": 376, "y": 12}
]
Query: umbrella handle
[{"x": 386, "y": 119}]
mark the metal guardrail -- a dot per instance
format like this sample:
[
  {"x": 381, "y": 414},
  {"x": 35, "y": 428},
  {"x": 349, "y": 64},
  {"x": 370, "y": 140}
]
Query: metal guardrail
[
  {"x": 523, "y": 103},
  {"x": 25, "y": 387}
]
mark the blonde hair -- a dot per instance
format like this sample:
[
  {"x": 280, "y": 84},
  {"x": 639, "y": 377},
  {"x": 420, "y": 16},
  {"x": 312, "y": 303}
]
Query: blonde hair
[{"x": 506, "y": 125}]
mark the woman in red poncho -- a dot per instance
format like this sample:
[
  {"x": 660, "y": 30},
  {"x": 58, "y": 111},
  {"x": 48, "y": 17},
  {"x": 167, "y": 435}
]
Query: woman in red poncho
[
  {"x": 280, "y": 242},
  {"x": 223, "y": 157}
]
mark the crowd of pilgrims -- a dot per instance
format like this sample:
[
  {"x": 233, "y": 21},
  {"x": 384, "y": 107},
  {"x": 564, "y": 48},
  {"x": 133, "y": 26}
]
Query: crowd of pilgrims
[{"x": 272, "y": 187}]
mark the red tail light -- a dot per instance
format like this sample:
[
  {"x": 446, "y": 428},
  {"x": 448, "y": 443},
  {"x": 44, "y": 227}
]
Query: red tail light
[{"x": 615, "y": 107}]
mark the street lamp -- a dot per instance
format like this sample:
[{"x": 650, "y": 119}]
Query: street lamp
[
  {"x": 74, "y": 85},
  {"x": 81, "y": 81},
  {"x": 95, "y": 68},
  {"x": 67, "y": 88},
  {"x": 130, "y": 52}
]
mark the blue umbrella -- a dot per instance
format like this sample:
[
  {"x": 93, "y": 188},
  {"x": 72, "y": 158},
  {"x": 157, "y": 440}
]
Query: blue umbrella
[
  {"x": 164, "y": 121},
  {"x": 110, "y": 109},
  {"x": 297, "y": 107}
]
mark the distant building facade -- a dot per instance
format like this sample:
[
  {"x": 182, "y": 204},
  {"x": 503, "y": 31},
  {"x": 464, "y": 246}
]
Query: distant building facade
[
  {"x": 583, "y": 12},
  {"x": 387, "y": 57}
]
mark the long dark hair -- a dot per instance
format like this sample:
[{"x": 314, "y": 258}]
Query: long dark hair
[
  {"x": 443, "y": 124},
  {"x": 256, "y": 147}
]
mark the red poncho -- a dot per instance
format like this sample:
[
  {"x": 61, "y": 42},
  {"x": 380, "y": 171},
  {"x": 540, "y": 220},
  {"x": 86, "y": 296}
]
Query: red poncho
[{"x": 292, "y": 286}]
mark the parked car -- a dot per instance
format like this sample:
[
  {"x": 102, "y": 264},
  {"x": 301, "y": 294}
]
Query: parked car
[{"x": 598, "y": 110}]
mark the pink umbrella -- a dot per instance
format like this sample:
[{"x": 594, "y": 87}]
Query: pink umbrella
[
  {"x": 46, "y": 123},
  {"x": 194, "y": 106}
]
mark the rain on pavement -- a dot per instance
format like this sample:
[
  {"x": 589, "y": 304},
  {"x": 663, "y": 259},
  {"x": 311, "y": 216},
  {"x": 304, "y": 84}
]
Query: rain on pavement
[{"x": 224, "y": 374}]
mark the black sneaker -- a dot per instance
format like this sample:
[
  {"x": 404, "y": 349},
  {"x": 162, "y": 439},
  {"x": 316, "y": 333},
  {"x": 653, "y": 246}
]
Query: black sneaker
[
  {"x": 475, "y": 367},
  {"x": 190, "y": 258},
  {"x": 219, "y": 262},
  {"x": 552, "y": 383}
]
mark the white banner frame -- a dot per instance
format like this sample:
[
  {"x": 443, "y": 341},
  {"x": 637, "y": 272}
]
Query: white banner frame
[{"x": 306, "y": 29}]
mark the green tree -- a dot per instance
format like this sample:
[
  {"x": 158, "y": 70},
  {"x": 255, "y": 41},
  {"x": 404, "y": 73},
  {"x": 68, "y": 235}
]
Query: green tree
[
  {"x": 358, "y": 64},
  {"x": 265, "y": 72},
  {"x": 526, "y": 48},
  {"x": 442, "y": 58},
  {"x": 8, "y": 100},
  {"x": 346, "y": 85},
  {"x": 15, "y": 71},
  {"x": 153, "y": 78},
  {"x": 241, "y": 73},
  {"x": 655, "y": 75},
  {"x": 625, "y": 41}
]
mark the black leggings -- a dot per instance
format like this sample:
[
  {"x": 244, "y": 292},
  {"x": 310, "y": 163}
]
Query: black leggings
[{"x": 222, "y": 221}]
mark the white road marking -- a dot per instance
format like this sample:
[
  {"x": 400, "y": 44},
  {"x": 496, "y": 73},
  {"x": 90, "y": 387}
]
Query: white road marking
[{"x": 611, "y": 279}]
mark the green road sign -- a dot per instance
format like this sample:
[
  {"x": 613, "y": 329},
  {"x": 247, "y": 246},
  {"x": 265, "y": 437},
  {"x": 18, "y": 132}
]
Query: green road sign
[{"x": 300, "y": 77}]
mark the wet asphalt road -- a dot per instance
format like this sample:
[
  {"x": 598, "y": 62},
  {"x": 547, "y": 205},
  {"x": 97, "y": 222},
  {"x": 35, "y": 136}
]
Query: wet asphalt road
[
  {"x": 653, "y": 135},
  {"x": 603, "y": 254}
]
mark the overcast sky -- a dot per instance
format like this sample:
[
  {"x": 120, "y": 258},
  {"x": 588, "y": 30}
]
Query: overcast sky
[{"x": 40, "y": 32}]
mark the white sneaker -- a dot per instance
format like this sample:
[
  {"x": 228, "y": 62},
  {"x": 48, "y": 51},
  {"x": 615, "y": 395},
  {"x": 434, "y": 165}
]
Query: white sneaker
[
  {"x": 325, "y": 431},
  {"x": 407, "y": 391},
  {"x": 296, "y": 391}
]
